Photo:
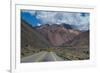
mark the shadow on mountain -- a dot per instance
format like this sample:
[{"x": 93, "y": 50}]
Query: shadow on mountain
[{"x": 66, "y": 42}]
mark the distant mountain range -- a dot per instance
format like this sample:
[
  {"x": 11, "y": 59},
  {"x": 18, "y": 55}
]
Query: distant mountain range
[{"x": 52, "y": 36}]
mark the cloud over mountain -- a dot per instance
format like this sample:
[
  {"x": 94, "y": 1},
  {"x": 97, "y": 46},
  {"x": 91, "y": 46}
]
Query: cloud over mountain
[{"x": 78, "y": 19}]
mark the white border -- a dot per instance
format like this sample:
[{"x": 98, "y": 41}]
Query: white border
[{"x": 15, "y": 60}]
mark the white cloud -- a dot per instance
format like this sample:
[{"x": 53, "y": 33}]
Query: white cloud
[
  {"x": 46, "y": 17},
  {"x": 39, "y": 24},
  {"x": 72, "y": 18}
]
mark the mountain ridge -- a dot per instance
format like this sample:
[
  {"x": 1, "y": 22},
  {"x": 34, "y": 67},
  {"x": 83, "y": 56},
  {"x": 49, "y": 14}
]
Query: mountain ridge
[{"x": 53, "y": 35}]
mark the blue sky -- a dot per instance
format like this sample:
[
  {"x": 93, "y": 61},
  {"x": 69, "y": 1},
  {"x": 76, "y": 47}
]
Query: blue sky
[
  {"x": 37, "y": 18},
  {"x": 31, "y": 19}
]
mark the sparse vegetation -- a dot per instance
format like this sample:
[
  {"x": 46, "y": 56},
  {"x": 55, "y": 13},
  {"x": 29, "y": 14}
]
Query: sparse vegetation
[
  {"x": 33, "y": 42},
  {"x": 69, "y": 53}
]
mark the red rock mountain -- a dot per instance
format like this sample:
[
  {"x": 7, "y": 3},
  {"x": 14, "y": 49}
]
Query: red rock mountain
[
  {"x": 81, "y": 40},
  {"x": 56, "y": 34}
]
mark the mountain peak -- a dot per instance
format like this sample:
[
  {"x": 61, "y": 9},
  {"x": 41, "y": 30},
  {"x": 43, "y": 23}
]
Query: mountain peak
[{"x": 67, "y": 26}]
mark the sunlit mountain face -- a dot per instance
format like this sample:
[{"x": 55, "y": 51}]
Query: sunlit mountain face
[{"x": 77, "y": 20}]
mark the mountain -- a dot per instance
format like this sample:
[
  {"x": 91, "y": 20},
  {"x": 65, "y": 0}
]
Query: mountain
[
  {"x": 67, "y": 26},
  {"x": 81, "y": 40},
  {"x": 30, "y": 37},
  {"x": 52, "y": 35},
  {"x": 66, "y": 42},
  {"x": 56, "y": 34}
]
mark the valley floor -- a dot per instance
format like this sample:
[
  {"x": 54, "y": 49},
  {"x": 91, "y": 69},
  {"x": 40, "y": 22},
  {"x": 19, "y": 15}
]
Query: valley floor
[
  {"x": 54, "y": 54},
  {"x": 42, "y": 57}
]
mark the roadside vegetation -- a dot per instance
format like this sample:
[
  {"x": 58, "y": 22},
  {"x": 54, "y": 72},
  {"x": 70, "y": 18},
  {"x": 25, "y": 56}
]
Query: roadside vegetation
[{"x": 67, "y": 53}]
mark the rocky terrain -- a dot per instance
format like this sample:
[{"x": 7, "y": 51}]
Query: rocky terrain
[{"x": 66, "y": 42}]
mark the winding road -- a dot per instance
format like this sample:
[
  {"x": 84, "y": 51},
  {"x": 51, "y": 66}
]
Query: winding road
[{"x": 42, "y": 56}]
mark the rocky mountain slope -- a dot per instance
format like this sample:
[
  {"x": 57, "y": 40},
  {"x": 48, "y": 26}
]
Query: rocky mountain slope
[
  {"x": 30, "y": 37},
  {"x": 58, "y": 34}
]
